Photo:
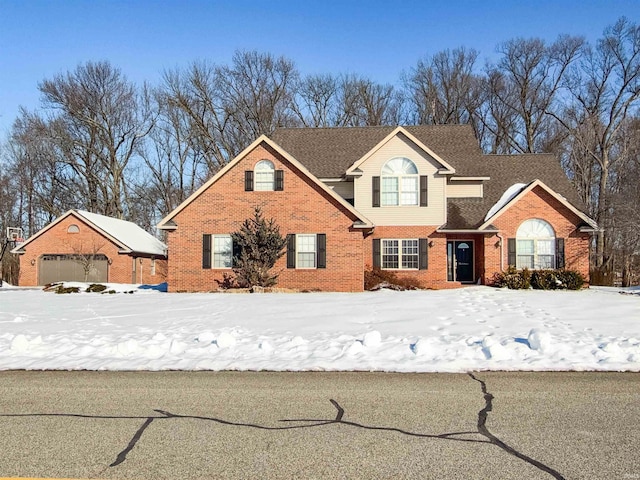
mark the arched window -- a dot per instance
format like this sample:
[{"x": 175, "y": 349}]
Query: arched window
[
  {"x": 73, "y": 228},
  {"x": 399, "y": 184},
  {"x": 536, "y": 245},
  {"x": 264, "y": 175}
]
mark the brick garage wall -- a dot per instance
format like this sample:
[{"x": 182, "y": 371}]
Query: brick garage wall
[
  {"x": 57, "y": 240},
  {"x": 145, "y": 270},
  {"x": 538, "y": 203},
  {"x": 302, "y": 207}
]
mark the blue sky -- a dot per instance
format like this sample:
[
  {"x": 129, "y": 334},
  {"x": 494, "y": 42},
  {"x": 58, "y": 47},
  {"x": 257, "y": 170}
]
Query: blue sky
[{"x": 378, "y": 39}]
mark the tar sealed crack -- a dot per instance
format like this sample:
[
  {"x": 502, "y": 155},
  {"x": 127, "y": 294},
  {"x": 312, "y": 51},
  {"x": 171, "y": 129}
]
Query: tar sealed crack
[{"x": 484, "y": 431}]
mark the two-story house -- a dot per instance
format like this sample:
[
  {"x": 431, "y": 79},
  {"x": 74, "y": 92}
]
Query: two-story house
[{"x": 423, "y": 201}]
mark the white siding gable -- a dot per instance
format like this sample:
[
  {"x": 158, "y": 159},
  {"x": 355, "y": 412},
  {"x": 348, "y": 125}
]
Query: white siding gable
[{"x": 400, "y": 146}]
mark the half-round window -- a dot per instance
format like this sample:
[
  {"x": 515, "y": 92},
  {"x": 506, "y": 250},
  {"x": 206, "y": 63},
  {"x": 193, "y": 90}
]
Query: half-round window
[
  {"x": 73, "y": 228},
  {"x": 399, "y": 182},
  {"x": 264, "y": 175},
  {"x": 536, "y": 245}
]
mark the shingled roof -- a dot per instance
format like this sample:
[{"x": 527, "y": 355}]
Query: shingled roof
[{"x": 329, "y": 152}]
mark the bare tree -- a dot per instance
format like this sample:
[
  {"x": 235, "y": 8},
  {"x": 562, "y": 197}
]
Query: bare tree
[
  {"x": 443, "y": 89},
  {"x": 229, "y": 106},
  {"x": 522, "y": 89},
  {"x": 315, "y": 103},
  {"x": 97, "y": 125},
  {"x": 604, "y": 89}
]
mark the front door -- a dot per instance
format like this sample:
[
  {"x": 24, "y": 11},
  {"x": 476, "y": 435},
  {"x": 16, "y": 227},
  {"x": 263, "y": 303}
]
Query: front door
[{"x": 460, "y": 261}]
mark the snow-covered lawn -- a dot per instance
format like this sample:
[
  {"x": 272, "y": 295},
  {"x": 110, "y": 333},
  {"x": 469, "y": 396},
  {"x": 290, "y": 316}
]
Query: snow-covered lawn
[{"x": 476, "y": 328}]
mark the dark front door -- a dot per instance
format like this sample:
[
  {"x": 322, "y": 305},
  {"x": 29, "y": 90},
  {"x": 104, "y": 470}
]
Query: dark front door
[{"x": 460, "y": 260}]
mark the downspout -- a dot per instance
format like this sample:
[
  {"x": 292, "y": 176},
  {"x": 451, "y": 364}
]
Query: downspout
[{"x": 501, "y": 251}]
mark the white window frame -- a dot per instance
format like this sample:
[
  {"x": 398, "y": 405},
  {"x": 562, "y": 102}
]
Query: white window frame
[
  {"x": 399, "y": 183},
  {"x": 540, "y": 240},
  {"x": 387, "y": 249},
  {"x": 264, "y": 174},
  {"x": 299, "y": 250},
  {"x": 221, "y": 259},
  {"x": 152, "y": 269}
]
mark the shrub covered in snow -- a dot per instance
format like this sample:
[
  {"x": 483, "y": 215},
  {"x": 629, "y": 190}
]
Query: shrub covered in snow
[
  {"x": 559, "y": 279},
  {"x": 513, "y": 279}
]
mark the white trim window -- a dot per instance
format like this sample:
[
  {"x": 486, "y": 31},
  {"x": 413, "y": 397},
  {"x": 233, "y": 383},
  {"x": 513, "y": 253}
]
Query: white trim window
[
  {"x": 264, "y": 176},
  {"x": 399, "y": 182},
  {"x": 535, "y": 245},
  {"x": 222, "y": 251},
  {"x": 306, "y": 250},
  {"x": 400, "y": 254}
]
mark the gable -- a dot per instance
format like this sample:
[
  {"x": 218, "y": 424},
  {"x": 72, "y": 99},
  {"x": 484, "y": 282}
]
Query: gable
[
  {"x": 228, "y": 184},
  {"x": 403, "y": 143},
  {"x": 535, "y": 200},
  {"x": 68, "y": 233}
]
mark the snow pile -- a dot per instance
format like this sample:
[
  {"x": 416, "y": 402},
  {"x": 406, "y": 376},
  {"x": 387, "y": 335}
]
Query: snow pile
[{"x": 476, "y": 328}]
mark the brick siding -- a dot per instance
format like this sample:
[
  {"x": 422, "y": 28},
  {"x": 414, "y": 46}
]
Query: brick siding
[
  {"x": 538, "y": 203},
  {"x": 302, "y": 207}
]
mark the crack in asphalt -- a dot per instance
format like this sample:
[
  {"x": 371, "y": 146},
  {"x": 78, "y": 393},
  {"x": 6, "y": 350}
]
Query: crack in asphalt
[{"x": 482, "y": 429}]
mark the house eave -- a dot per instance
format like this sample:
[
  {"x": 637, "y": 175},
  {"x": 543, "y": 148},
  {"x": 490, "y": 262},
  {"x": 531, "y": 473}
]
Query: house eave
[{"x": 467, "y": 230}]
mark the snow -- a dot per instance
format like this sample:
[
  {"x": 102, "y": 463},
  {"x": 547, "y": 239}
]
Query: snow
[
  {"x": 506, "y": 197},
  {"x": 127, "y": 233},
  {"x": 475, "y": 328}
]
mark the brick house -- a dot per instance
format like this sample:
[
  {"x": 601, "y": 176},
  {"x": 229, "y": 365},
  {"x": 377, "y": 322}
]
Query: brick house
[
  {"x": 423, "y": 201},
  {"x": 87, "y": 247}
]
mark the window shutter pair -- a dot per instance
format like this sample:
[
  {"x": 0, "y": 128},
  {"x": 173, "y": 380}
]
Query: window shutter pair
[
  {"x": 424, "y": 197},
  {"x": 321, "y": 250},
  {"x": 278, "y": 183},
  {"x": 423, "y": 251}
]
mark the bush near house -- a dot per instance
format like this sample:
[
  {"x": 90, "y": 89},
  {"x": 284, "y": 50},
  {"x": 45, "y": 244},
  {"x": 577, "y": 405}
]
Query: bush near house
[
  {"x": 377, "y": 278},
  {"x": 559, "y": 279}
]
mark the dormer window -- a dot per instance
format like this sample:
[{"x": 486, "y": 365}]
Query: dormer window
[{"x": 399, "y": 182}]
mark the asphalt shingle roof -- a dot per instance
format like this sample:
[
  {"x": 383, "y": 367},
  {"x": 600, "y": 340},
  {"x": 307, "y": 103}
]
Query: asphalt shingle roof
[{"x": 329, "y": 152}]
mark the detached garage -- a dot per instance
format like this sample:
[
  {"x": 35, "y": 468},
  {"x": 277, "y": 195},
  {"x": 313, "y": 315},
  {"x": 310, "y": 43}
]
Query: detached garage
[{"x": 87, "y": 247}]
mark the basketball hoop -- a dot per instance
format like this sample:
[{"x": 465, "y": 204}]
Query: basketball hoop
[{"x": 14, "y": 235}]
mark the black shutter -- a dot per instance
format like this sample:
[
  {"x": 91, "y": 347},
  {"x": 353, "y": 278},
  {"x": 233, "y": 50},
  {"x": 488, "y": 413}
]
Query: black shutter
[
  {"x": 279, "y": 185},
  {"x": 376, "y": 253},
  {"x": 559, "y": 252},
  {"x": 206, "y": 250},
  {"x": 321, "y": 240},
  {"x": 291, "y": 251},
  {"x": 236, "y": 252},
  {"x": 248, "y": 180},
  {"x": 424, "y": 253},
  {"x": 424, "y": 198},
  {"x": 511, "y": 249},
  {"x": 375, "y": 192}
]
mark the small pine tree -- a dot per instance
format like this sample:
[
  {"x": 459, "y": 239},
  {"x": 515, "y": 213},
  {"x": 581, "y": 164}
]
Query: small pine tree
[{"x": 259, "y": 245}]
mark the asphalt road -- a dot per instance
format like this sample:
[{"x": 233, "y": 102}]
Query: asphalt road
[{"x": 201, "y": 425}]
